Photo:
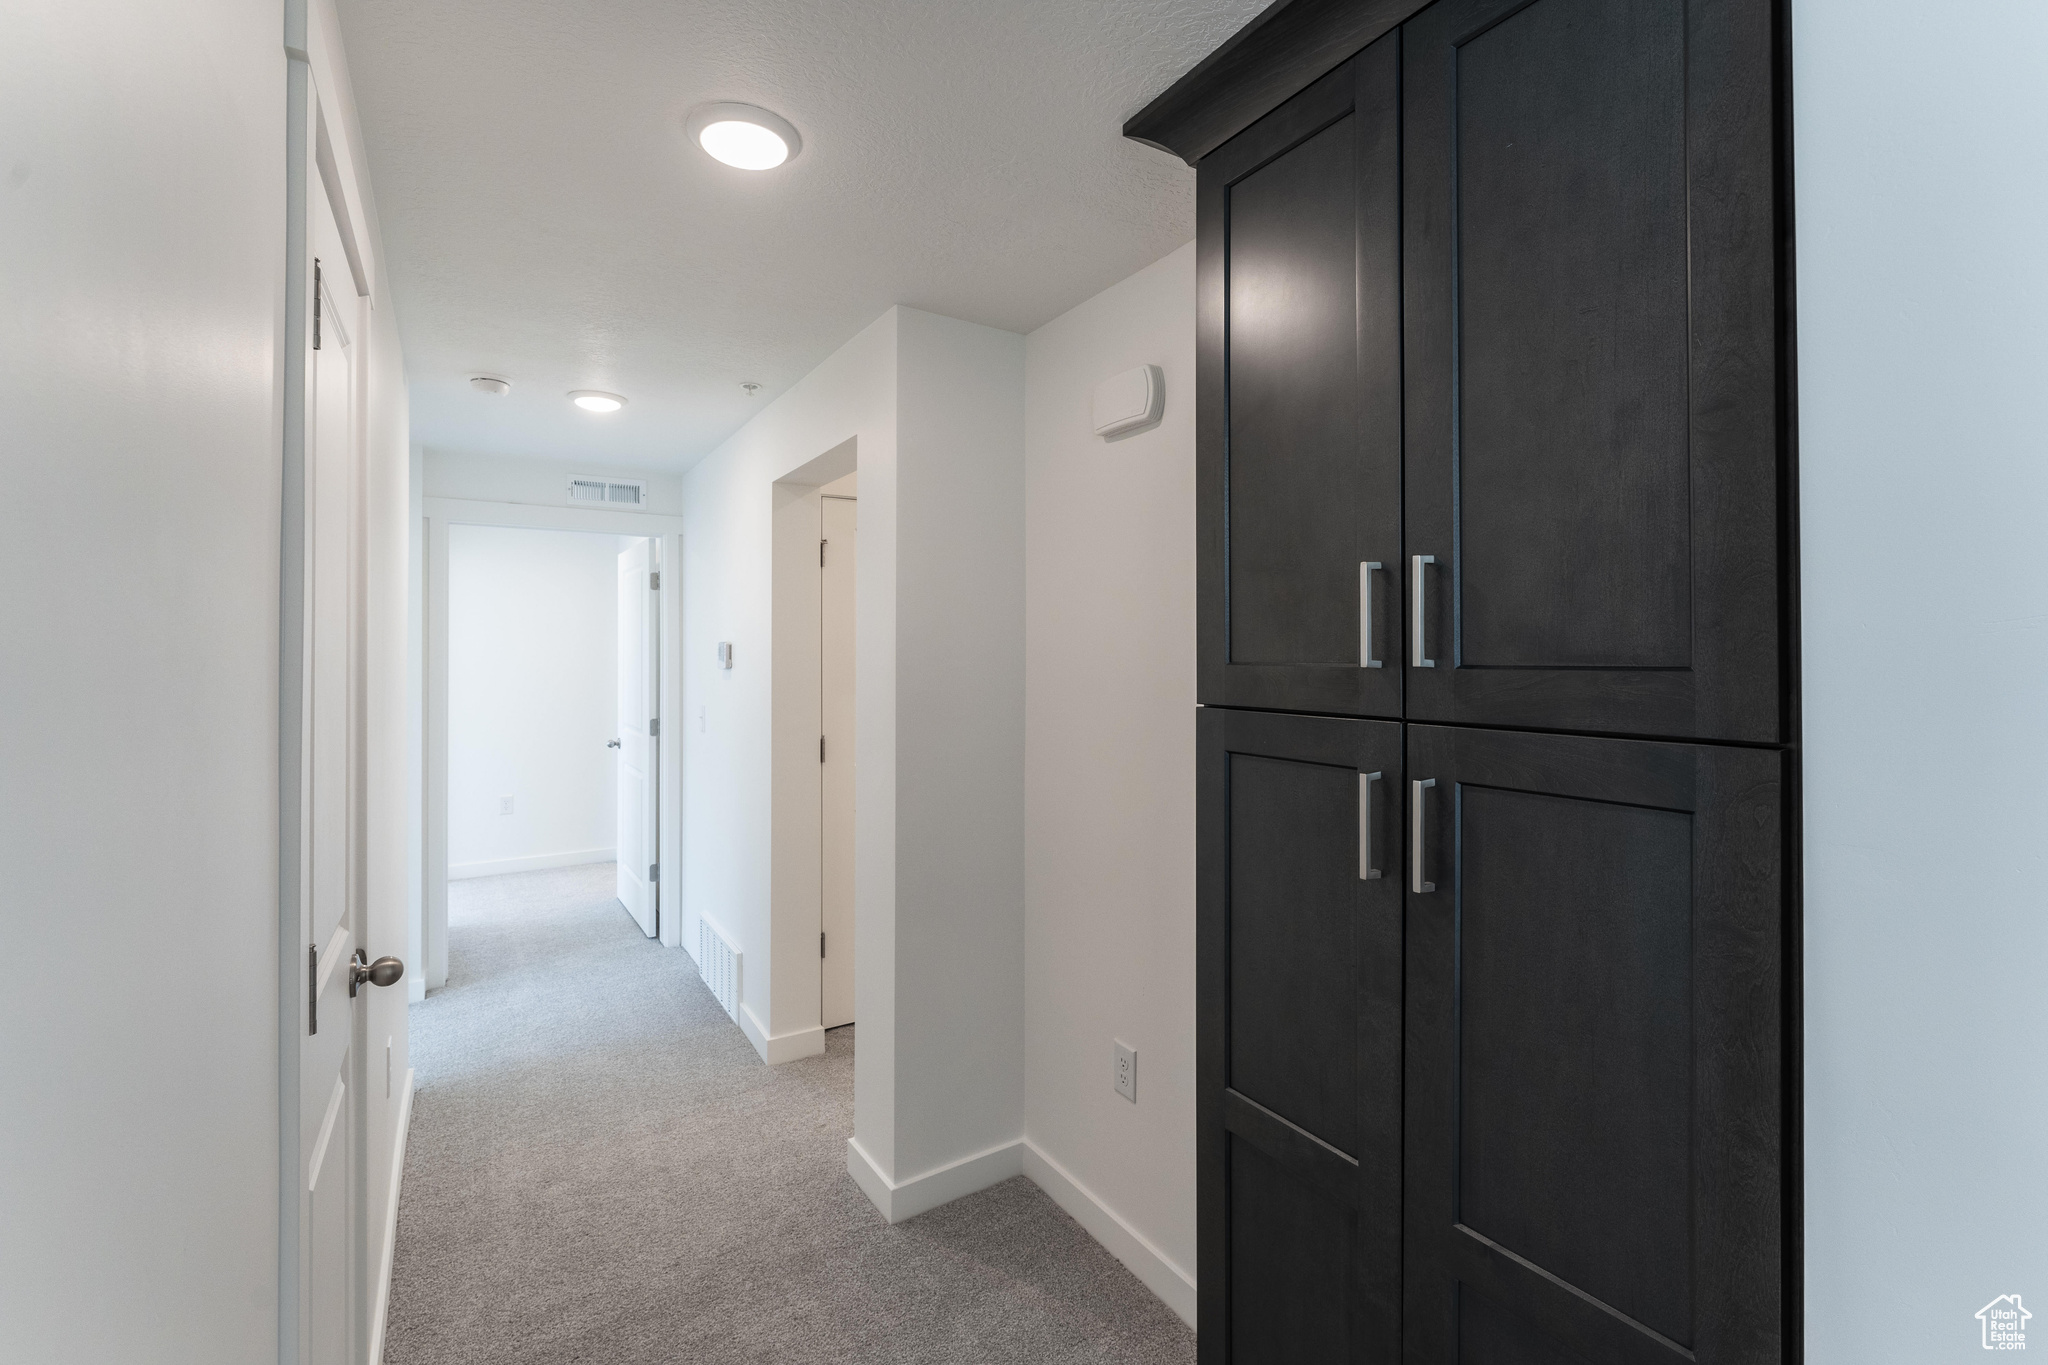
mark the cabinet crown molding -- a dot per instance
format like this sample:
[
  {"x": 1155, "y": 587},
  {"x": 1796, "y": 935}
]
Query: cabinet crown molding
[{"x": 1276, "y": 55}]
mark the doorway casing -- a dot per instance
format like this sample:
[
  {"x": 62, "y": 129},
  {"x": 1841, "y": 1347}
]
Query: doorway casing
[
  {"x": 429, "y": 932},
  {"x": 796, "y": 879}
]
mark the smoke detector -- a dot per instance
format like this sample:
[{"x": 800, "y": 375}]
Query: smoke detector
[{"x": 494, "y": 384}]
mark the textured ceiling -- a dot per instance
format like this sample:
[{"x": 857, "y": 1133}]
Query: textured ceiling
[{"x": 546, "y": 219}]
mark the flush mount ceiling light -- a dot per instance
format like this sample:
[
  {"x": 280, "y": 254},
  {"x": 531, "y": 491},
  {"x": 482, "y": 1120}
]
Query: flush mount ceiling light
[
  {"x": 494, "y": 384},
  {"x": 596, "y": 400},
  {"x": 743, "y": 136}
]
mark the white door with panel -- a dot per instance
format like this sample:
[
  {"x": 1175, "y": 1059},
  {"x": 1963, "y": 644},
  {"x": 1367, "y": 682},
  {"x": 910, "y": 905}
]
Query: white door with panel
[
  {"x": 330, "y": 829},
  {"x": 639, "y": 733},
  {"x": 835, "y": 751}
]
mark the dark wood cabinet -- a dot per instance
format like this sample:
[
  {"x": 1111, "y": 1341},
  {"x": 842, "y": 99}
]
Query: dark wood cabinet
[
  {"x": 1299, "y": 1053},
  {"x": 1592, "y": 367},
  {"x": 1593, "y": 1110},
  {"x": 1492, "y": 295},
  {"x": 1299, "y": 401}
]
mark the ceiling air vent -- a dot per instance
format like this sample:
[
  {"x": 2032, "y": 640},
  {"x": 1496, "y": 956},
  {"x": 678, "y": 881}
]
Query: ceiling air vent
[{"x": 608, "y": 492}]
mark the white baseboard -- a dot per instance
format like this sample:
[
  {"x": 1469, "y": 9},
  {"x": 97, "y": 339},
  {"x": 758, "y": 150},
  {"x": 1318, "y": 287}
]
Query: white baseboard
[
  {"x": 538, "y": 862},
  {"x": 899, "y": 1200},
  {"x": 909, "y": 1198},
  {"x": 1153, "y": 1267},
  {"x": 775, "y": 1049},
  {"x": 382, "y": 1312}
]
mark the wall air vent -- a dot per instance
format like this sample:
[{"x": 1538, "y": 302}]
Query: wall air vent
[
  {"x": 608, "y": 492},
  {"x": 719, "y": 962}
]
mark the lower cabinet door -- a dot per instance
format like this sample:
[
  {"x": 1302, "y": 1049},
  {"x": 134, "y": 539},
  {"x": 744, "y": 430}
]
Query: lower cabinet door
[
  {"x": 1299, "y": 1038},
  {"x": 1594, "y": 1129}
]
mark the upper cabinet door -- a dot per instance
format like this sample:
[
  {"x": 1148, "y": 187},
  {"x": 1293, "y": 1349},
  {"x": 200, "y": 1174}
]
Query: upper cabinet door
[
  {"x": 1299, "y": 400},
  {"x": 1594, "y": 484}
]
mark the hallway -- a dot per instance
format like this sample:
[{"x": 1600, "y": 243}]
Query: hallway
[{"x": 600, "y": 1169}]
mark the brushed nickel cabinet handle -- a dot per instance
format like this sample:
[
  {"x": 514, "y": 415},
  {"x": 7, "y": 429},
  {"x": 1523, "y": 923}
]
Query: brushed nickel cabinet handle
[
  {"x": 1365, "y": 572},
  {"x": 1415, "y": 881},
  {"x": 1417, "y": 654},
  {"x": 1366, "y": 871}
]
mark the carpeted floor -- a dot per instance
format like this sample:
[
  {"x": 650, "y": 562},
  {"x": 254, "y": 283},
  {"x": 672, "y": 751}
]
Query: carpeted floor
[{"x": 601, "y": 1170}]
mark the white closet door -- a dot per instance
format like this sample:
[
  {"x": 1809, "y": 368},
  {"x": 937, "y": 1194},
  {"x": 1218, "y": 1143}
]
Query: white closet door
[
  {"x": 639, "y": 746},
  {"x": 835, "y": 1004}
]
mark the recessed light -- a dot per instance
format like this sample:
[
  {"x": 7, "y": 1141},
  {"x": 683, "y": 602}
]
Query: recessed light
[
  {"x": 743, "y": 136},
  {"x": 596, "y": 400},
  {"x": 494, "y": 384}
]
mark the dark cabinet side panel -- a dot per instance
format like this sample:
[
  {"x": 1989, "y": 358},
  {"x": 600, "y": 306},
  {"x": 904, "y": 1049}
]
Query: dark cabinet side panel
[
  {"x": 1591, "y": 367},
  {"x": 1594, "y": 1126},
  {"x": 1298, "y": 1056},
  {"x": 1299, "y": 428}
]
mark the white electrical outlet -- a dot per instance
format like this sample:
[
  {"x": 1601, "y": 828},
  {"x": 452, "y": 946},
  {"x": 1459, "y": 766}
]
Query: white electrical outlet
[
  {"x": 504, "y": 805},
  {"x": 1126, "y": 1071}
]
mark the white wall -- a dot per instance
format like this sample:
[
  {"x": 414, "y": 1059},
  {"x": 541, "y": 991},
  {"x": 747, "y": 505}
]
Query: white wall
[
  {"x": 532, "y": 698},
  {"x": 728, "y": 732},
  {"x": 959, "y": 902},
  {"x": 1109, "y": 762},
  {"x": 934, "y": 410},
  {"x": 138, "y": 731},
  {"x": 1923, "y": 358},
  {"x": 140, "y": 366},
  {"x": 536, "y": 482}
]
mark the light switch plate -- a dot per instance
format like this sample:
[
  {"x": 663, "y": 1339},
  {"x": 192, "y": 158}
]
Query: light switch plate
[{"x": 1126, "y": 1071}]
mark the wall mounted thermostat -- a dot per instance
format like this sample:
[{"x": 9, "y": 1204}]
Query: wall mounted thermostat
[
  {"x": 725, "y": 654},
  {"x": 1130, "y": 400}
]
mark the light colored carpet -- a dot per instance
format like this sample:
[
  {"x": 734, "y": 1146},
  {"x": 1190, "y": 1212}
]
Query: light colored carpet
[{"x": 601, "y": 1170}]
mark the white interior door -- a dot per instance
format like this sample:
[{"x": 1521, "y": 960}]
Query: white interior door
[
  {"x": 331, "y": 1232},
  {"x": 836, "y": 942},
  {"x": 639, "y": 730}
]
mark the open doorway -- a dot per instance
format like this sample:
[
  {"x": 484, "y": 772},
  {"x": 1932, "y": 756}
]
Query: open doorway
[
  {"x": 553, "y": 708},
  {"x": 793, "y": 995}
]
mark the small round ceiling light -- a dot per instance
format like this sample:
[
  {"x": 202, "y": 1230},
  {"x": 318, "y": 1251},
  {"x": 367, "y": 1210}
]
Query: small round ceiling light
[
  {"x": 743, "y": 136},
  {"x": 596, "y": 400},
  {"x": 494, "y": 384}
]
